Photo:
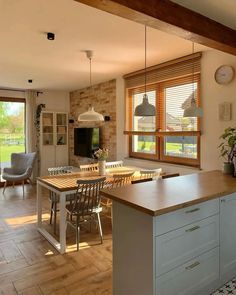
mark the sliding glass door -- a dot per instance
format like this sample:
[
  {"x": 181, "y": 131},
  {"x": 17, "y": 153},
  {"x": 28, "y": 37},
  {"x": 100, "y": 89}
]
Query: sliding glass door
[{"x": 12, "y": 129}]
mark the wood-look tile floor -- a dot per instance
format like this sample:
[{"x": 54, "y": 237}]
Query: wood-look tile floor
[{"x": 29, "y": 265}]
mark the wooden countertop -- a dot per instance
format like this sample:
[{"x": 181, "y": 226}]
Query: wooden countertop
[{"x": 166, "y": 195}]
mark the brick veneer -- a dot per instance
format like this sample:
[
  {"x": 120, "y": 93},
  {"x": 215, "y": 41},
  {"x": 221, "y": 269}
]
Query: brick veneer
[{"x": 103, "y": 98}]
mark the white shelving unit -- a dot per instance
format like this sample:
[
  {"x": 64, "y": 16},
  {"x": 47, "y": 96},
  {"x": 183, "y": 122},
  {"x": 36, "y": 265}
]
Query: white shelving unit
[{"x": 53, "y": 140}]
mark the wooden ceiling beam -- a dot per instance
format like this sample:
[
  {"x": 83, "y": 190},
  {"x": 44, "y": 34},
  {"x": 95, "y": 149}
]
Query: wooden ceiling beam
[{"x": 172, "y": 18}]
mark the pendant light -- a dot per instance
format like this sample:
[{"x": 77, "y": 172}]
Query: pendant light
[
  {"x": 193, "y": 110},
  {"x": 145, "y": 109},
  {"x": 90, "y": 115}
]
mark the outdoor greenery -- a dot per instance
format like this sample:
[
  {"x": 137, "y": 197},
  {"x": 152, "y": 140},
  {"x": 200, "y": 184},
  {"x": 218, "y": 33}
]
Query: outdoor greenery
[
  {"x": 171, "y": 148},
  {"x": 228, "y": 143},
  {"x": 6, "y": 151},
  {"x": 12, "y": 138}
]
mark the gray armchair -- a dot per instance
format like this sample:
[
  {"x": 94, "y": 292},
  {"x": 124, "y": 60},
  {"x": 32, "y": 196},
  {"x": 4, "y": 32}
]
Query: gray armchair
[{"x": 20, "y": 170}]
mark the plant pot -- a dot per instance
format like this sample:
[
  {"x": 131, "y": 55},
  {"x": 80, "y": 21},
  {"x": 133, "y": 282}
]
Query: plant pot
[
  {"x": 228, "y": 168},
  {"x": 102, "y": 167}
]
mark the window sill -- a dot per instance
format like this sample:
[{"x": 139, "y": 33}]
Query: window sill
[{"x": 171, "y": 165}]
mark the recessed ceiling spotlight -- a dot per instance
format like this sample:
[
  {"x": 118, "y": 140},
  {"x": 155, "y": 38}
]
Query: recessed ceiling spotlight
[
  {"x": 51, "y": 36},
  {"x": 30, "y": 81}
]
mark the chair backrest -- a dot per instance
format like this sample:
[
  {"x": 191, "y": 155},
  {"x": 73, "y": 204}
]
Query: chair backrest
[
  {"x": 122, "y": 179},
  {"x": 154, "y": 173},
  {"x": 20, "y": 162},
  {"x": 87, "y": 197},
  {"x": 141, "y": 180},
  {"x": 114, "y": 164},
  {"x": 60, "y": 170},
  {"x": 89, "y": 167},
  {"x": 170, "y": 175}
]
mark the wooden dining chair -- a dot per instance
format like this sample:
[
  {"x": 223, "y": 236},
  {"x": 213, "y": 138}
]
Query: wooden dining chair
[
  {"x": 89, "y": 167},
  {"x": 119, "y": 180},
  {"x": 122, "y": 179},
  {"x": 154, "y": 173},
  {"x": 115, "y": 164},
  {"x": 53, "y": 197},
  {"x": 85, "y": 206}
]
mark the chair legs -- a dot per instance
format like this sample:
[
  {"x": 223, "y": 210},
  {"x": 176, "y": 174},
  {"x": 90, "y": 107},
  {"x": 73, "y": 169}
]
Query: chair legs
[
  {"x": 23, "y": 187},
  {"x": 55, "y": 218},
  {"x": 5, "y": 185},
  {"x": 53, "y": 214},
  {"x": 77, "y": 229},
  {"x": 100, "y": 227},
  {"x": 13, "y": 185}
]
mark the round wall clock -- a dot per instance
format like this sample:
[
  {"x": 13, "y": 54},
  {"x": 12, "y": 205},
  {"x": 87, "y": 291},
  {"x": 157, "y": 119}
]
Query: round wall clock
[{"x": 224, "y": 74}]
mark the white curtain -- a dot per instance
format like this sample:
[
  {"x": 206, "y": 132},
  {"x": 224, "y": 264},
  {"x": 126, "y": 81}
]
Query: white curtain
[{"x": 31, "y": 139}]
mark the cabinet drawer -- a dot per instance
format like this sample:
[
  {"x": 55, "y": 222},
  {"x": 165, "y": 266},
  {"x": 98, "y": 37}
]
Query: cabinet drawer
[
  {"x": 198, "y": 276},
  {"x": 182, "y": 217},
  {"x": 181, "y": 245}
]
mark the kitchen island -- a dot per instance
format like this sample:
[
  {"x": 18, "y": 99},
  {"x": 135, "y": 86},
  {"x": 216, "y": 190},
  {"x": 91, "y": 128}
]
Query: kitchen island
[{"x": 174, "y": 236}]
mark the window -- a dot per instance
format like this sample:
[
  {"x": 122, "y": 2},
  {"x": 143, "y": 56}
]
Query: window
[
  {"x": 168, "y": 136},
  {"x": 12, "y": 129}
]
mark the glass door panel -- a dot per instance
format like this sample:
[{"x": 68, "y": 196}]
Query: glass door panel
[
  {"x": 12, "y": 130},
  {"x": 61, "y": 128}
]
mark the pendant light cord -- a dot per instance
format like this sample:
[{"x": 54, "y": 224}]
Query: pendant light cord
[
  {"x": 193, "y": 99},
  {"x": 90, "y": 68},
  {"x": 145, "y": 61}
]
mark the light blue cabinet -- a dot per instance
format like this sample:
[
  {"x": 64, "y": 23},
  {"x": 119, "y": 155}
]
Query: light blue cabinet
[
  {"x": 228, "y": 237},
  {"x": 191, "y": 251}
]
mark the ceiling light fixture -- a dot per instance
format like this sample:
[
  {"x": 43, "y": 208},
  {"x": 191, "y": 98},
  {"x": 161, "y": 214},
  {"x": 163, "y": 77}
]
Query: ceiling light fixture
[
  {"x": 145, "y": 109},
  {"x": 193, "y": 110},
  {"x": 51, "y": 36},
  {"x": 90, "y": 115}
]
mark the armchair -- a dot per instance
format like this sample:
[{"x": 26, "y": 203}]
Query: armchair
[{"x": 20, "y": 170}]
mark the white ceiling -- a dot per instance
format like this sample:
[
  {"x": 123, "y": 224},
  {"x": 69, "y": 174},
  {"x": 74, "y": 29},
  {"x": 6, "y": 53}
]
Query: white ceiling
[
  {"x": 118, "y": 44},
  {"x": 222, "y": 11}
]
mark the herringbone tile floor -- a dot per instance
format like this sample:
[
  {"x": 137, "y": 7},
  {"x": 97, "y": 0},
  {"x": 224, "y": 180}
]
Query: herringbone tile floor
[{"x": 29, "y": 265}]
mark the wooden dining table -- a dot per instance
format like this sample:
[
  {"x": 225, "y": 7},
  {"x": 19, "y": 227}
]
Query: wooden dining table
[{"x": 63, "y": 185}]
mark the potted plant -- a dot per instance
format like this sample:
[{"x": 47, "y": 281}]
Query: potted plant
[
  {"x": 102, "y": 155},
  {"x": 226, "y": 149}
]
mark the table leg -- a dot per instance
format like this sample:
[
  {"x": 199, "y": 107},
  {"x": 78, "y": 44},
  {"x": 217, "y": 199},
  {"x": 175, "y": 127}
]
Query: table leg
[
  {"x": 39, "y": 204},
  {"x": 62, "y": 222}
]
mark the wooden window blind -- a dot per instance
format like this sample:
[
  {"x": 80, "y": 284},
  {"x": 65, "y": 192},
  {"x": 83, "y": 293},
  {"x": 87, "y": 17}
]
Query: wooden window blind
[
  {"x": 168, "y": 136},
  {"x": 177, "y": 68}
]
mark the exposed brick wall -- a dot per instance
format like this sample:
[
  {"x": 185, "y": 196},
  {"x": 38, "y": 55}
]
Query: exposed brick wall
[{"x": 103, "y": 98}]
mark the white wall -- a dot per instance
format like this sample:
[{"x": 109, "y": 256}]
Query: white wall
[
  {"x": 211, "y": 95},
  {"x": 58, "y": 101}
]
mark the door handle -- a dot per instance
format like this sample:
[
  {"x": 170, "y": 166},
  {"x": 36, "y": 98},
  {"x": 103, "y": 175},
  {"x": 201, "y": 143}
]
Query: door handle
[
  {"x": 192, "y": 229},
  {"x": 192, "y": 265},
  {"x": 193, "y": 210}
]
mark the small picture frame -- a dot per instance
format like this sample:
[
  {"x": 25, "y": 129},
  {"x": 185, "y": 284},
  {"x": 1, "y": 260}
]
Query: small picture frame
[{"x": 225, "y": 111}]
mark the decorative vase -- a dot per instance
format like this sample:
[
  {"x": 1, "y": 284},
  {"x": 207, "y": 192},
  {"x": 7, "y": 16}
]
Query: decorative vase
[
  {"x": 102, "y": 167},
  {"x": 228, "y": 168}
]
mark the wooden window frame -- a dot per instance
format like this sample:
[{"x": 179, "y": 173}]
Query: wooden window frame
[{"x": 160, "y": 133}]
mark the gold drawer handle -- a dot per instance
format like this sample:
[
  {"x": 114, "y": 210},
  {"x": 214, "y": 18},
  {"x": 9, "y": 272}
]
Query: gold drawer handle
[
  {"x": 193, "y": 210},
  {"x": 192, "y": 265},
  {"x": 192, "y": 228}
]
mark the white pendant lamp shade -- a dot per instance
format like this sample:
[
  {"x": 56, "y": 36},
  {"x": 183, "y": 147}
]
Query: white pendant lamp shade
[
  {"x": 90, "y": 115},
  {"x": 193, "y": 110},
  {"x": 145, "y": 109}
]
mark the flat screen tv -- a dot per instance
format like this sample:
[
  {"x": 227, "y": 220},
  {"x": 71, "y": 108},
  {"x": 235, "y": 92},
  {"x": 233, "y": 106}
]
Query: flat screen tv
[{"x": 86, "y": 141}]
